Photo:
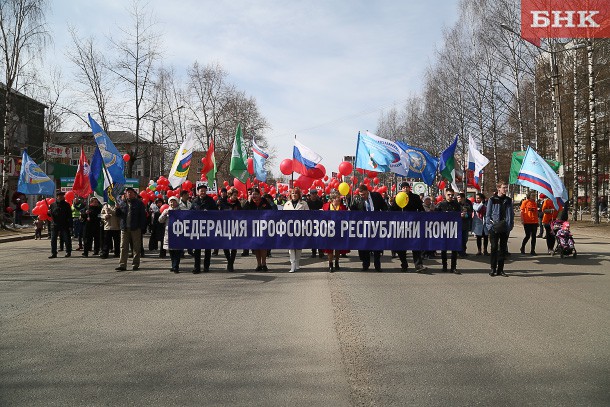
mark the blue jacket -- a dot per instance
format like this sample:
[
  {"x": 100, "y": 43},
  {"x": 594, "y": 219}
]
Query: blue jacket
[{"x": 494, "y": 204}]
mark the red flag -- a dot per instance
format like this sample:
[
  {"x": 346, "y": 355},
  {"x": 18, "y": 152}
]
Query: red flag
[
  {"x": 209, "y": 163},
  {"x": 82, "y": 186}
]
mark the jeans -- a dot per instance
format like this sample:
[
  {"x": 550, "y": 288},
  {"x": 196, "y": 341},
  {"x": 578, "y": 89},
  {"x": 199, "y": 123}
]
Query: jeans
[
  {"x": 499, "y": 248},
  {"x": 175, "y": 258}
]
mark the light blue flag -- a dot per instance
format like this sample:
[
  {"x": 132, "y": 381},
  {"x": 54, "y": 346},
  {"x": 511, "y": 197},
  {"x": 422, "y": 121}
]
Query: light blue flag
[
  {"x": 382, "y": 155},
  {"x": 113, "y": 161},
  {"x": 260, "y": 157},
  {"x": 422, "y": 164},
  {"x": 32, "y": 180},
  {"x": 537, "y": 174}
]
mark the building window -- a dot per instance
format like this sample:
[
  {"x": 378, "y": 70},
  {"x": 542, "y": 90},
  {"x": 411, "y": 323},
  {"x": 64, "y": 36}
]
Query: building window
[
  {"x": 74, "y": 162},
  {"x": 75, "y": 150}
]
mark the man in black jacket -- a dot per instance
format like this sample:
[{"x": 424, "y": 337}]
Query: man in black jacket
[
  {"x": 61, "y": 212},
  {"x": 133, "y": 220},
  {"x": 369, "y": 201},
  {"x": 414, "y": 204},
  {"x": 449, "y": 205},
  {"x": 203, "y": 202}
]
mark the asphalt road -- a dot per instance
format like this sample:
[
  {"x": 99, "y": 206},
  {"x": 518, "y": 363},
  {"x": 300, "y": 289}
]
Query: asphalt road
[{"x": 75, "y": 333}]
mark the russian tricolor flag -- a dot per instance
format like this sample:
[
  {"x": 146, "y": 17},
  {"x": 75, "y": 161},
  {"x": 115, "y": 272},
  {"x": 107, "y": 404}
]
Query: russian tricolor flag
[{"x": 303, "y": 158}]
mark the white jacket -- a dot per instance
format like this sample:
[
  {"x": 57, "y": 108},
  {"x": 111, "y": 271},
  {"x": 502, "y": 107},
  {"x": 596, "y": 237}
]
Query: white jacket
[{"x": 300, "y": 206}]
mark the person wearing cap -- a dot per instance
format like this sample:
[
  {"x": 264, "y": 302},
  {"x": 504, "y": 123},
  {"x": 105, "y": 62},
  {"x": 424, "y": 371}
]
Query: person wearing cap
[
  {"x": 414, "y": 204},
  {"x": 314, "y": 203},
  {"x": 295, "y": 204},
  {"x": 132, "y": 213},
  {"x": 369, "y": 201},
  {"x": 174, "y": 254},
  {"x": 61, "y": 213},
  {"x": 203, "y": 202}
]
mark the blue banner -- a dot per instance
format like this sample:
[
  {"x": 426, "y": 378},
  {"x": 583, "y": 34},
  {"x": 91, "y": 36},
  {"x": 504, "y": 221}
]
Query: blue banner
[{"x": 336, "y": 230}]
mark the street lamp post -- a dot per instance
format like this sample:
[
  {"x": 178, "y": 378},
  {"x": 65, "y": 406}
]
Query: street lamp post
[{"x": 556, "y": 98}]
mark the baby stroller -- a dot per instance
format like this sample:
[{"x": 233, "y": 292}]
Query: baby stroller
[{"x": 564, "y": 241}]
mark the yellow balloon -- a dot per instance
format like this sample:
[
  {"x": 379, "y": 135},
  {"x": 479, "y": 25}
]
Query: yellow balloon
[
  {"x": 402, "y": 199},
  {"x": 343, "y": 188}
]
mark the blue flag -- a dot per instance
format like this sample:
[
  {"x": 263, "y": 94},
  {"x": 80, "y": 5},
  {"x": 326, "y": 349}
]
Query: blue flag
[
  {"x": 259, "y": 162},
  {"x": 381, "y": 155},
  {"x": 112, "y": 159},
  {"x": 32, "y": 180},
  {"x": 537, "y": 174},
  {"x": 422, "y": 164}
]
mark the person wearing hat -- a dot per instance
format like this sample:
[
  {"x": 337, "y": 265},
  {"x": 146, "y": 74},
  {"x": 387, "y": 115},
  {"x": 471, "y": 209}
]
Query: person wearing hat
[
  {"x": 203, "y": 202},
  {"x": 174, "y": 254},
  {"x": 132, "y": 213},
  {"x": 414, "y": 204},
  {"x": 61, "y": 212}
]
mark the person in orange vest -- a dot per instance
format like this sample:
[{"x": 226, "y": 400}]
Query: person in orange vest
[
  {"x": 529, "y": 218},
  {"x": 549, "y": 214}
]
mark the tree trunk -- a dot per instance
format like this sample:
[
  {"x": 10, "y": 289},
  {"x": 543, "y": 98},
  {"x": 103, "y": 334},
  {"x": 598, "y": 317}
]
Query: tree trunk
[{"x": 593, "y": 136}]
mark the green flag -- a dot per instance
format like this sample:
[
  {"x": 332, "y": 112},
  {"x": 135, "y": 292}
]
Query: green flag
[
  {"x": 517, "y": 160},
  {"x": 239, "y": 158}
]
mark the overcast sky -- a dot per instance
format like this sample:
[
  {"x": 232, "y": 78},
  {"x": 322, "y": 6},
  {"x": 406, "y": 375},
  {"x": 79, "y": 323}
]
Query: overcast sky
[{"x": 320, "y": 70}]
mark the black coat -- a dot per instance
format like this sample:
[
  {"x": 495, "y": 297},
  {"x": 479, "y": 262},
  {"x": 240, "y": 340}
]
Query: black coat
[
  {"x": 138, "y": 214},
  {"x": 206, "y": 203},
  {"x": 379, "y": 204},
  {"x": 446, "y": 206},
  {"x": 415, "y": 204},
  {"x": 61, "y": 212}
]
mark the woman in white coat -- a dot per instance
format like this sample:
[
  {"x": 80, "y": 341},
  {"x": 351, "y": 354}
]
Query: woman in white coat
[{"x": 295, "y": 204}]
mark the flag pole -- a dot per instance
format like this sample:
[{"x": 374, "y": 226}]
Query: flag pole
[{"x": 292, "y": 174}]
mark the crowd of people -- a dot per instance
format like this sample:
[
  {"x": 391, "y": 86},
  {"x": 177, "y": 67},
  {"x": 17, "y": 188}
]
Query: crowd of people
[{"x": 105, "y": 229}]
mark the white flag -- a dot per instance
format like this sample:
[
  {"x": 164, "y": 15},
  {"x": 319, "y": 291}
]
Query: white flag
[{"x": 182, "y": 162}]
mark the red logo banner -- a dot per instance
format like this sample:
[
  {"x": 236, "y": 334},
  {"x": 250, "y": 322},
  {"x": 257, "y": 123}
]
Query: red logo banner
[{"x": 564, "y": 19}]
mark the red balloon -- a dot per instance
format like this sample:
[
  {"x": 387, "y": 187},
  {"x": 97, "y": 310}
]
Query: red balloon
[
  {"x": 393, "y": 187},
  {"x": 345, "y": 168},
  {"x": 471, "y": 199},
  {"x": 442, "y": 185},
  {"x": 69, "y": 196},
  {"x": 9, "y": 210},
  {"x": 326, "y": 178},
  {"x": 25, "y": 207},
  {"x": 286, "y": 166},
  {"x": 376, "y": 180},
  {"x": 163, "y": 207},
  {"x": 250, "y": 165},
  {"x": 439, "y": 198},
  {"x": 371, "y": 174},
  {"x": 367, "y": 181},
  {"x": 354, "y": 179},
  {"x": 226, "y": 183},
  {"x": 187, "y": 185},
  {"x": 360, "y": 170},
  {"x": 126, "y": 157}
]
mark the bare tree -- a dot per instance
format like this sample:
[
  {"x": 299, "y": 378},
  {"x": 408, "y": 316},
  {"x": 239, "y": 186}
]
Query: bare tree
[
  {"x": 23, "y": 33},
  {"x": 138, "y": 51},
  {"x": 92, "y": 75}
]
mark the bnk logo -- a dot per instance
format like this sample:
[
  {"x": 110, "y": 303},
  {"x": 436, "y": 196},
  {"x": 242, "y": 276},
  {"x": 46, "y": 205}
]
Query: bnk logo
[{"x": 564, "y": 19}]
